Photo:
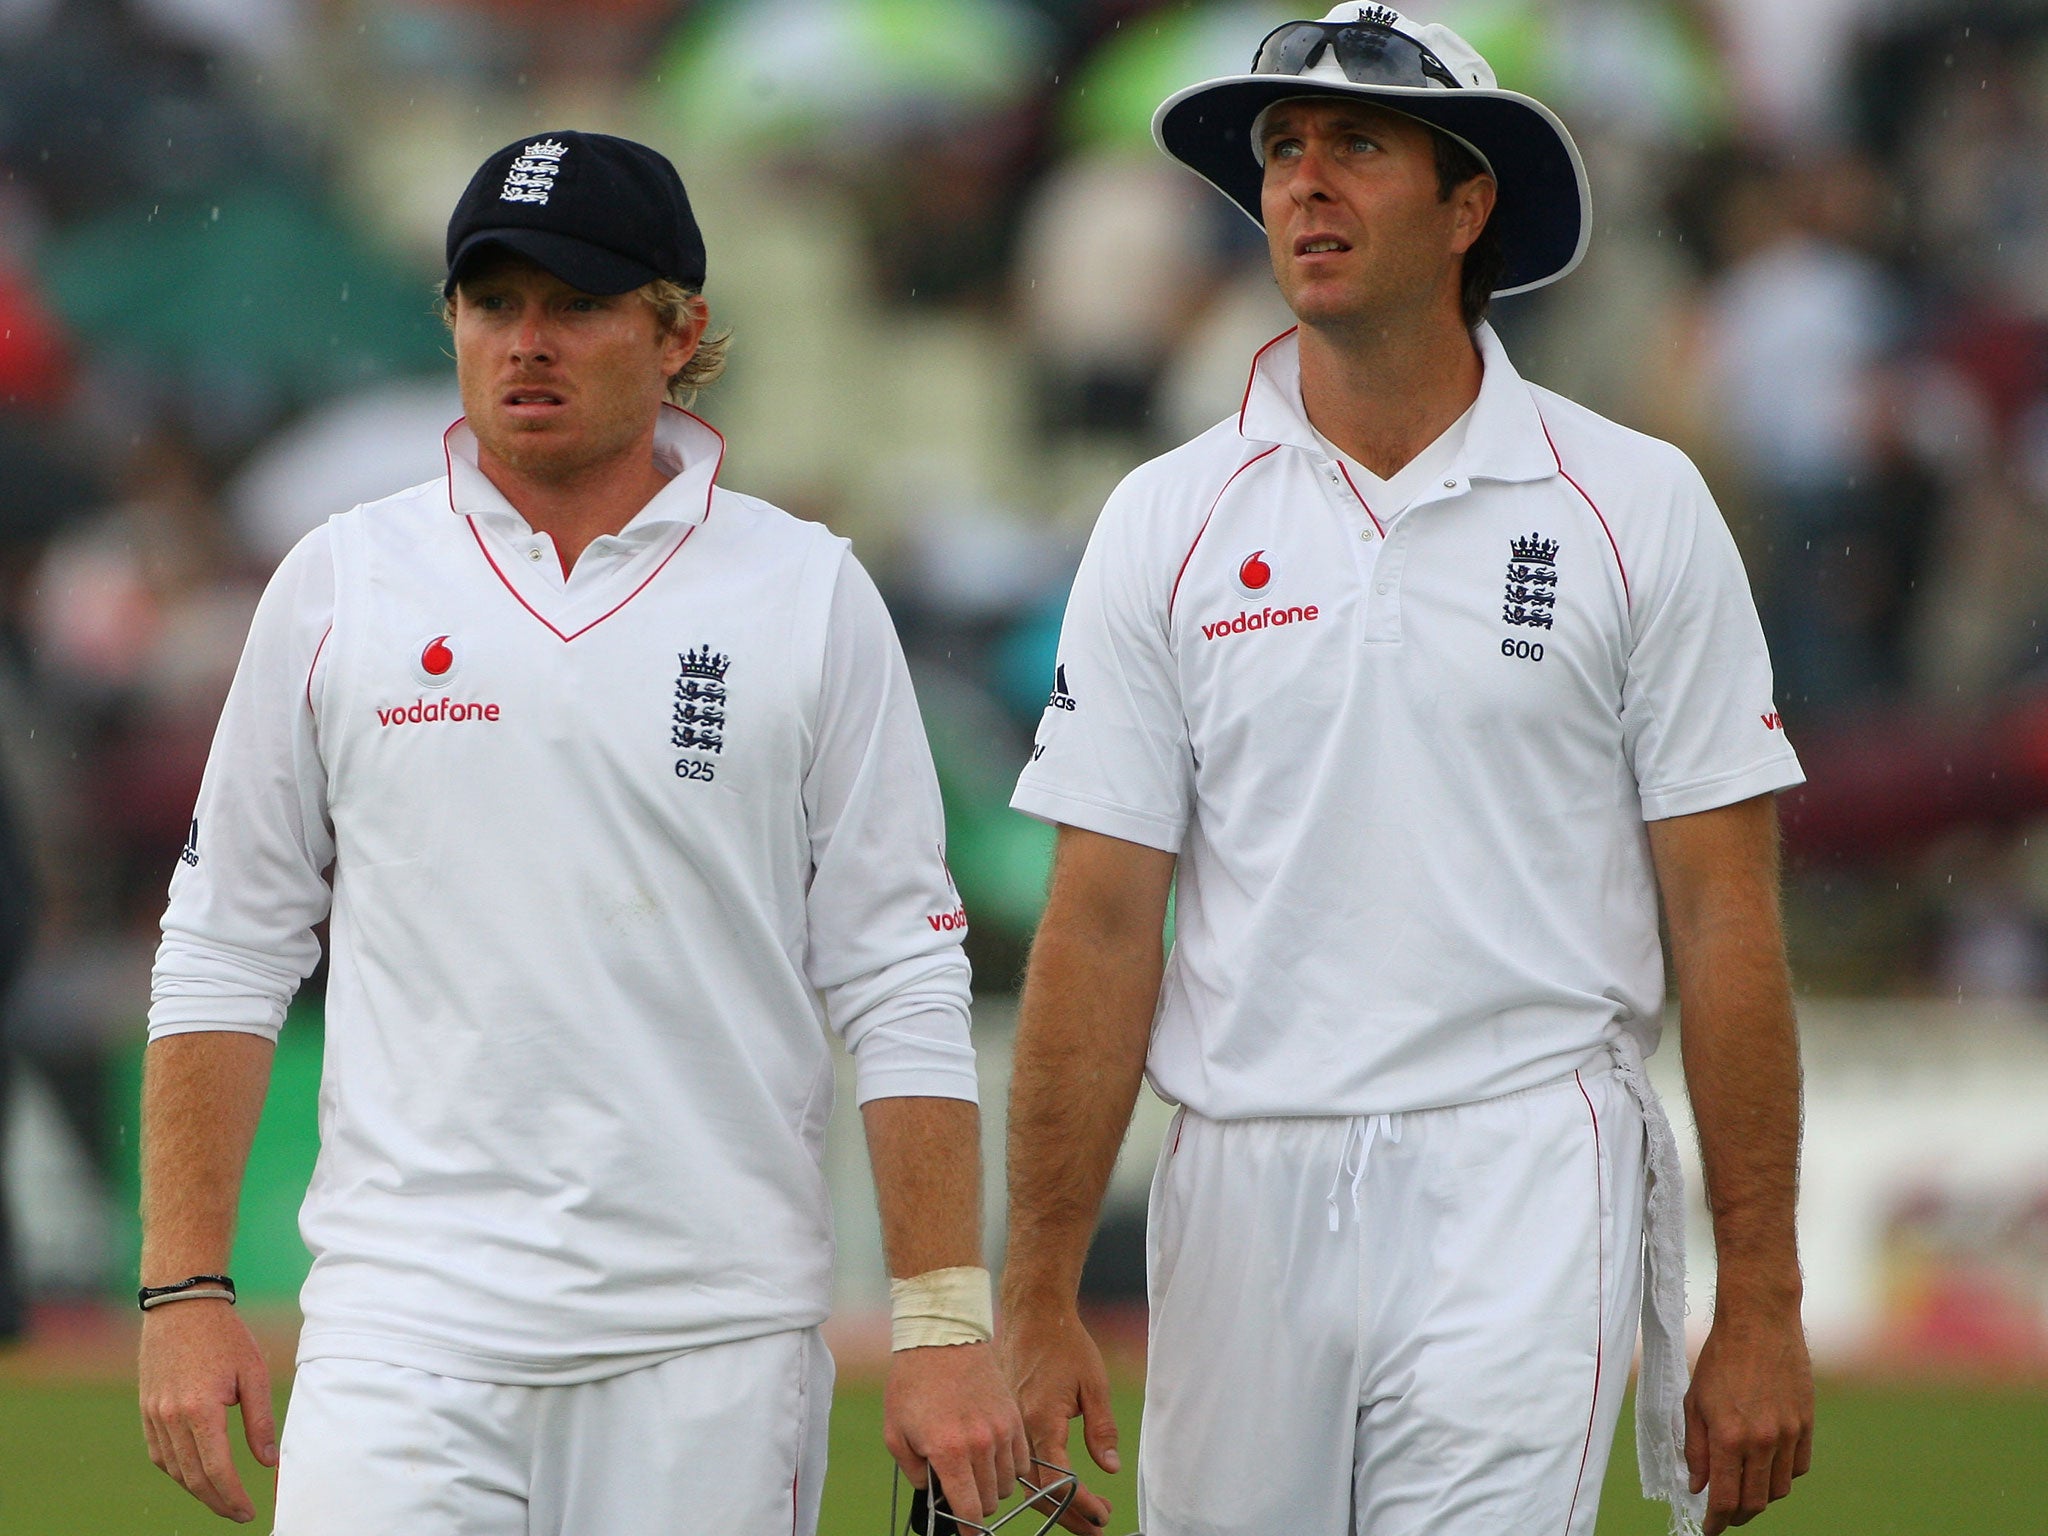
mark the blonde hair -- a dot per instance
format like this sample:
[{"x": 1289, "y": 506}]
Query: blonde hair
[{"x": 670, "y": 302}]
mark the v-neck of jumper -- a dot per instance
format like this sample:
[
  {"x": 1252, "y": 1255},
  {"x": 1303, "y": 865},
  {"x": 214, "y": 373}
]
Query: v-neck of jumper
[
  {"x": 612, "y": 569},
  {"x": 603, "y": 582}
]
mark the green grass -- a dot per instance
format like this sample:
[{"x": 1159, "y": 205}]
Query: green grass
[{"x": 1890, "y": 1461}]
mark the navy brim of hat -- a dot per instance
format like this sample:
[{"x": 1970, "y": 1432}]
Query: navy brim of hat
[
  {"x": 1543, "y": 206},
  {"x": 581, "y": 265}
]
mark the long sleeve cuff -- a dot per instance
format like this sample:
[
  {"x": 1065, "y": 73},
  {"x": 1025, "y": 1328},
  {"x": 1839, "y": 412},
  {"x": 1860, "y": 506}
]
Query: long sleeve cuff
[
  {"x": 201, "y": 986},
  {"x": 926, "y": 1056}
]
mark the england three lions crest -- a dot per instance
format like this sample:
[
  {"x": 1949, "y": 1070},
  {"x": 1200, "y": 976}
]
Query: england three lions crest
[
  {"x": 1532, "y": 582},
  {"x": 531, "y": 177},
  {"x": 698, "y": 719}
]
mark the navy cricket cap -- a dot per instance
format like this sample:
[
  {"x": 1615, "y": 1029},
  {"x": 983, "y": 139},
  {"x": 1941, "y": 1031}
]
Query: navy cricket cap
[{"x": 603, "y": 214}]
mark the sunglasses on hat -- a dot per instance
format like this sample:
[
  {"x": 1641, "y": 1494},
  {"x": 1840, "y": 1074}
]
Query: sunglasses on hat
[{"x": 1367, "y": 52}]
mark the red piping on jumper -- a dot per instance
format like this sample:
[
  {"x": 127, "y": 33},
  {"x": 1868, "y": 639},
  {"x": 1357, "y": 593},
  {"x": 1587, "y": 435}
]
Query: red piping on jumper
[
  {"x": 448, "y": 455},
  {"x": 314, "y": 664},
  {"x": 1346, "y": 473},
  {"x": 1626, "y": 597},
  {"x": 1600, "y": 1304},
  {"x": 1247, "y": 464}
]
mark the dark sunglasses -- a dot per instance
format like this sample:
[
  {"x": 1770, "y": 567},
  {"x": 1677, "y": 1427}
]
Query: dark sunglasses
[{"x": 1368, "y": 53}]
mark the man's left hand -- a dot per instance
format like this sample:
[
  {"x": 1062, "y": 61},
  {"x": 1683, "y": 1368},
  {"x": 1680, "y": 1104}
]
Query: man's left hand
[
  {"x": 947, "y": 1413},
  {"x": 1749, "y": 1414}
]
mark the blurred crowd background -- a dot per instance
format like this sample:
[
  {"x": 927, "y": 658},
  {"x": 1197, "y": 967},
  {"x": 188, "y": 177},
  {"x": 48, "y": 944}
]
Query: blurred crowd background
[{"x": 967, "y": 295}]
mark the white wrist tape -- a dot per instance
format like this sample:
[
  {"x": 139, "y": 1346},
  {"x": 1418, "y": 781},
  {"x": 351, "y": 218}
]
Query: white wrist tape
[{"x": 941, "y": 1306}]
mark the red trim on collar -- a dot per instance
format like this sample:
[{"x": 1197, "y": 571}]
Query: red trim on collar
[
  {"x": 1346, "y": 473},
  {"x": 477, "y": 534},
  {"x": 715, "y": 468},
  {"x": 1247, "y": 464},
  {"x": 448, "y": 458},
  {"x": 448, "y": 454},
  {"x": 1618, "y": 565},
  {"x": 709, "y": 491},
  {"x": 1253, "y": 376}
]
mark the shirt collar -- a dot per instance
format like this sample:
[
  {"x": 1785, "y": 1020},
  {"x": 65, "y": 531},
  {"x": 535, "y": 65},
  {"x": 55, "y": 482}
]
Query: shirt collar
[
  {"x": 686, "y": 447},
  {"x": 1505, "y": 439}
]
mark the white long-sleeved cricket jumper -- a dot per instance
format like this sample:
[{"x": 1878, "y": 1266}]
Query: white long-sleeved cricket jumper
[{"x": 608, "y": 853}]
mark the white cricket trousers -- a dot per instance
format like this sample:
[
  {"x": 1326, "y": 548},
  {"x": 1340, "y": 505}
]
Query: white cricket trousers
[
  {"x": 727, "y": 1438},
  {"x": 1402, "y": 1325}
]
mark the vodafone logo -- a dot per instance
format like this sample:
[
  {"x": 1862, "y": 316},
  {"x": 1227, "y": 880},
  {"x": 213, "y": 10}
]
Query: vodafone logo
[
  {"x": 422, "y": 712},
  {"x": 434, "y": 663},
  {"x": 947, "y": 922},
  {"x": 1263, "y": 618},
  {"x": 1254, "y": 575}
]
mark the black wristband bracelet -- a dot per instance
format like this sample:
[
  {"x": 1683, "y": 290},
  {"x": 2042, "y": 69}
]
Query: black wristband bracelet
[{"x": 150, "y": 1293}]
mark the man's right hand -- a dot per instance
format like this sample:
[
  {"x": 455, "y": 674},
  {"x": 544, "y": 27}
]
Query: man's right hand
[
  {"x": 197, "y": 1358},
  {"x": 1057, "y": 1373},
  {"x": 1084, "y": 1024}
]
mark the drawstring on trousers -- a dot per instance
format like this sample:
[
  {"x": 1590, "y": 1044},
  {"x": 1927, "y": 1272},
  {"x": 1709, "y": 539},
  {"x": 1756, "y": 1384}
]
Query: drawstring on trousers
[{"x": 1361, "y": 1133}]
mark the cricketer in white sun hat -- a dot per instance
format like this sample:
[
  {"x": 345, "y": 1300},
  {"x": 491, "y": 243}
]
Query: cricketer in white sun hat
[{"x": 1543, "y": 208}]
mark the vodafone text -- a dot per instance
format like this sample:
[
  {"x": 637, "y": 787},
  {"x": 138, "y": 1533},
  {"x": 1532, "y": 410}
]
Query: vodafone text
[
  {"x": 420, "y": 711},
  {"x": 1265, "y": 618},
  {"x": 947, "y": 922}
]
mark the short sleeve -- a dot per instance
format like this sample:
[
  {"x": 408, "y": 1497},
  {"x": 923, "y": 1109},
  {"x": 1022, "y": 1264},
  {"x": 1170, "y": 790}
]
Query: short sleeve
[
  {"x": 1112, "y": 753},
  {"x": 1698, "y": 721}
]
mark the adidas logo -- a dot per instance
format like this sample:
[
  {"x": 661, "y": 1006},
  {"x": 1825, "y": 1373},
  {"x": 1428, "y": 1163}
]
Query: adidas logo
[{"x": 1060, "y": 699}]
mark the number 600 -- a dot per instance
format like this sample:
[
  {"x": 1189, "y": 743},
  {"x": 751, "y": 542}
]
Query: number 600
[{"x": 1522, "y": 650}]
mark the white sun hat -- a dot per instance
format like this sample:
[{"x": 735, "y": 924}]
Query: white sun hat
[{"x": 1543, "y": 209}]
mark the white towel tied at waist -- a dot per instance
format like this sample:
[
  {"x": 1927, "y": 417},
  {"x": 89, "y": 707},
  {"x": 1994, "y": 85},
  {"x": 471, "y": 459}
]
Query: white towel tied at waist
[{"x": 1661, "y": 1387}]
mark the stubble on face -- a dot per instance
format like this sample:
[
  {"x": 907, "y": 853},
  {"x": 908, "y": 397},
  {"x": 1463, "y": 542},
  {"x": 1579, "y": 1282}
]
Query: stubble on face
[
  {"x": 556, "y": 384},
  {"x": 1360, "y": 239}
]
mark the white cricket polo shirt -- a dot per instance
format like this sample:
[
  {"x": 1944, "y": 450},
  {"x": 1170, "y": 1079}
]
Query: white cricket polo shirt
[
  {"x": 609, "y": 853},
  {"x": 1405, "y": 758}
]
